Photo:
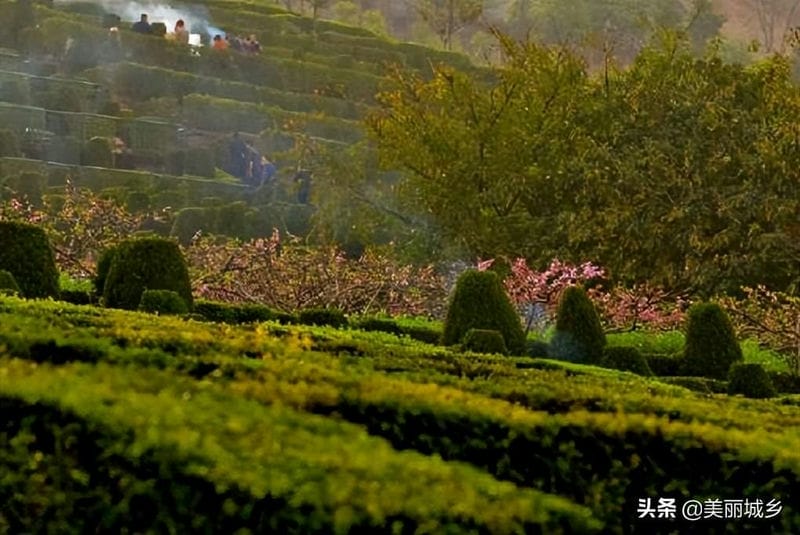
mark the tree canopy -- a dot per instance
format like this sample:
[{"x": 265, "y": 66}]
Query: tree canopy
[{"x": 677, "y": 170}]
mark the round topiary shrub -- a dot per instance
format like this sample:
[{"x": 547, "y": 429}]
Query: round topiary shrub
[
  {"x": 322, "y": 316},
  {"x": 711, "y": 347},
  {"x": 164, "y": 302},
  {"x": 627, "y": 359},
  {"x": 145, "y": 264},
  {"x": 579, "y": 336},
  {"x": 750, "y": 380},
  {"x": 8, "y": 284},
  {"x": 480, "y": 302},
  {"x": 25, "y": 252},
  {"x": 484, "y": 341}
]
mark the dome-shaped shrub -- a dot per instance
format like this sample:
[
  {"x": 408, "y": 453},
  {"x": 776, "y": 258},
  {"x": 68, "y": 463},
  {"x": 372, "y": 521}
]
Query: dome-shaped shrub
[
  {"x": 25, "y": 252},
  {"x": 750, "y": 380},
  {"x": 145, "y": 264},
  {"x": 191, "y": 220},
  {"x": 579, "y": 336},
  {"x": 627, "y": 359},
  {"x": 480, "y": 302},
  {"x": 711, "y": 347},
  {"x": 484, "y": 341}
]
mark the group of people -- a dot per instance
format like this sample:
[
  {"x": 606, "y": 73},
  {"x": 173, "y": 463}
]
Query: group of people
[
  {"x": 246, "y": 45},
  {"x": 248, "y": 165},
  {"x": 243, "y": 45}
]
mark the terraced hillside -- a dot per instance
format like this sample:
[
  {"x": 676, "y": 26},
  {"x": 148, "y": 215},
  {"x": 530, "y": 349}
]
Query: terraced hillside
[
  {"x": 121, "y": 112},
  {"x": 120, "y": 419}
]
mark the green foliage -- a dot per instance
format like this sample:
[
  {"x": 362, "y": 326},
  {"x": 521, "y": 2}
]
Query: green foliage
[
  {"x": 145, "y": 264},
  {"x": 537, "y": 348},
  {"x": 9, "y": 144},
  {"x": 25, "y": 252},
  {"x": 527, "y": 424},
  {"x": 76, "y": 297},
  {"x": 784, "y": 382},
  {"x": 234, "y": 314},
  {"x": 680, "y": 190},
  {"x": 579, "y": 336},
  {"x": 750, "y": 380},
  {"x": 384, "y": 325},
  {"x": 189, "y": 222},
  {"x": 162, "y": 302},
  {"x": 103, "y": 267},
  {"x": 627, "y": 359},
  {"x": 97, "y": 152},
  {"x": 200, "y": 162},
  {"x": 711, "y": 346},
  {"x": 665, "y": 364},
  {"x": 137, "y": 201},
  {"x": 479, "y": 301},
  {"x": 322, "y": 316},
  {"x": 484, "y": 341},
  {"x": 703, "y": 385},
  {"x": 8, "y": 284},
  {"x": 30, "y": 186}
]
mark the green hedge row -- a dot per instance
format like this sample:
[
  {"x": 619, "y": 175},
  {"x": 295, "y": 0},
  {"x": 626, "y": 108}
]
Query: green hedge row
[
  {"x": 263, "y": 468},
  {"x": 576, "y": 442},
  {"x": 217, "y": 114},
  {"x": 185, "y": 190},
  {"x": 143, "y": 82}
]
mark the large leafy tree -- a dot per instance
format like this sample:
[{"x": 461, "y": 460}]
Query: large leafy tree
[{"x": 676, "y": 170}]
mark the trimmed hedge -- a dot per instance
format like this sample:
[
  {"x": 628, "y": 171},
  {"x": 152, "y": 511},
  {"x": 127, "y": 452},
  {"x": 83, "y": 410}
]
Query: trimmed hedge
[
  {"x": 579, "y": 336},
  {"x": 484, "y": 341},
  {"x": 155, "y": 472},
  {"x": 163, "y": 302},
  {"x": 145, "y": 264},
  {"x": 25, "y": 252},
  {"x": 479, "y": 301},
  {"x": 233, "y": 313},
  {"x": 76, "y": 297},
  {"x": 627, "y": 359},
  {"x": 665, "y": 365},
  {"x": 750, "y": 380},
  {"x": 711, "y": 347},
  {"x": 380, "y": 325},
  {"x": 322, "y": 317},
  {"x": 704, "y": 385}
]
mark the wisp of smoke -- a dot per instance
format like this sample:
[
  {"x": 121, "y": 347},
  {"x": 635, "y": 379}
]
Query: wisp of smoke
[{"x": 196, "y": 18}]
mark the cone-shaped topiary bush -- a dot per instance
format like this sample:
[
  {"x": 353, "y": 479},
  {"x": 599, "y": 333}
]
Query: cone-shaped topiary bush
[
  {"x": 103, "y": 265},
  {"x": 750, "y": 380},
  {"x": 711, "y": 347},
  {"x": 162, "y": 302},
  {"x": 145, "y": 264},
  {"x": 627, "y": 359},
  {"x": 579, "y": 336},
  {"x": 484, "y": 341},
  {"x": 480, "y": 302},
  {"x": 8, "y": 284},
  {"x": 25, "y": 252}
]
